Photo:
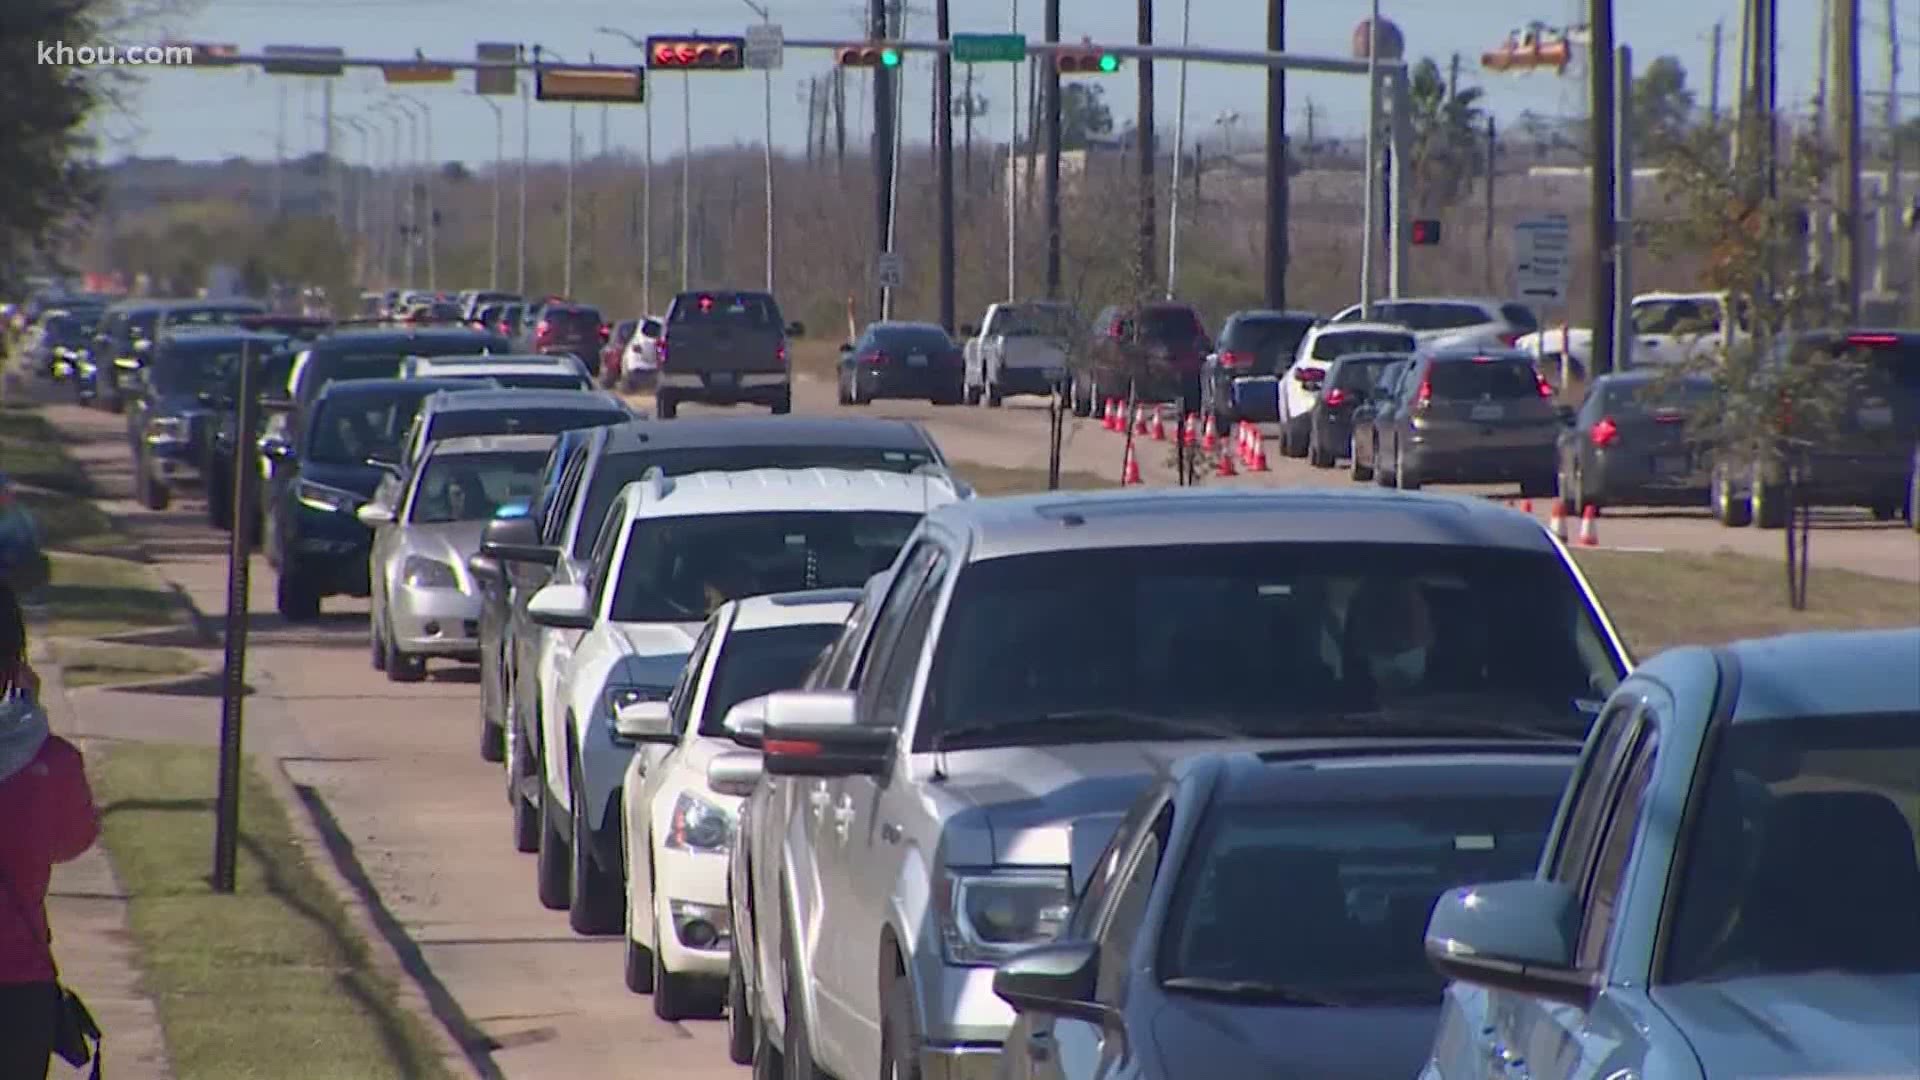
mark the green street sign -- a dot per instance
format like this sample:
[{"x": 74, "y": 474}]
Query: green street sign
[{"x": 989, "y": 48}]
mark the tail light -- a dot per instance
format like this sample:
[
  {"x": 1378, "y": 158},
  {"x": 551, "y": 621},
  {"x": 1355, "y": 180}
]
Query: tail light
[
  {"x": 1541, "y": 384},
  {"x": 1115, "y": 333},
  {"x": 606, "y": 332},
  {"x": 660, "y": 353},
  {"x": 1424, "y": 396},
  {"x": 504, "y": 327},
  {"x": 1334, "y": 398},
  {"x": 1605, "y": 433},
  {"x": 780, "y": 354},
  {"x": 543, "y": 330},
  {"x": 1236, "y": 359},
  {"x": 1871, "y": 340}
]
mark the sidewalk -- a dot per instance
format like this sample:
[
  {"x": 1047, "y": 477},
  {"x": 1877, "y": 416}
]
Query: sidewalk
[{"x": 91, "y": 942}]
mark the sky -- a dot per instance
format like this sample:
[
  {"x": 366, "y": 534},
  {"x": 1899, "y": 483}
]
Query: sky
[{"x": 217, "y": 113}]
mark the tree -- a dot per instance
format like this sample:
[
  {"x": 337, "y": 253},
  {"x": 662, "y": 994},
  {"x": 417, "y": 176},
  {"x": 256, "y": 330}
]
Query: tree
[
  {"x": 1084, "y": 115},
  {"x": 1662, "y": 105},
  {"x": 48, "y": 182},
  {"x": 1774, "y": 399},
  {"x": 1447, "y": 122}
]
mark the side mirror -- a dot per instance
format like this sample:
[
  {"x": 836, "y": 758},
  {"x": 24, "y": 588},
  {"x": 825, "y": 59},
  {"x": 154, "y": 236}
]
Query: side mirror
[
  {"x": 640, "y": 722},
  {"x": 969, "y": 330},
  {"x": 746, "y": 723},
  {"x": 516, "y": 539},
  {"x": 736, "y": 773},
  {"x": 374, "y": 514},
  {"x": 817, "y": 733},
  {"x": 1056, "y": 980},
  {"x": 796, "y": 329},
  {"x": 562, "y": 607},
  {"x": 1511, "y": 935}
]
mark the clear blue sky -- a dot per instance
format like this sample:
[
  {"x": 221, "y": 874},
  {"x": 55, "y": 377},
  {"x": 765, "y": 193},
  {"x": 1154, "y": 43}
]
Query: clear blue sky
[{"x": 215, "y": 113}]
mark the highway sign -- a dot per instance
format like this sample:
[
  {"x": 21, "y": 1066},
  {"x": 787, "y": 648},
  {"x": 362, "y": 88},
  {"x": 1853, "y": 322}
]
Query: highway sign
[
  {"x": 766, "y": 44},
  {"x": 303, "y": 60},
  {"x": 989, "y": 48},
  {"x": 496, "y": 82},
  {"x": 1542, "y": 259},
  {"x": 891, "y": 270}
]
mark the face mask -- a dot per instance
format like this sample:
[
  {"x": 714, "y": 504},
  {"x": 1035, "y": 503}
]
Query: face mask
[{"x": 1400, "y": 669}]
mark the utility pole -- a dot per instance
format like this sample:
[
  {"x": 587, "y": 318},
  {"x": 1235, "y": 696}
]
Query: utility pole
[
  {"x": 1143, "y": 135},
  {"x": 499, "y": 171},
  {"x": 1453, "y": 77},
  {"x": 1604, "y": 179},
  {"x": 813, "y": 116},
  {"x": 1277, "y": 184},
  {"x": 1892, "y": 240},
  {"x": 1493, "y": 171},
  {"x": 943, "y": 152},
  {"x": 1052, "y": 76},
  {"x": 1744, "y": 67},
  {"x": 1849, "y": 238},
  {"x": 966, "y": 148},
  {"x": 1713, "y": 75},
  {"x": 883, "y": 145},
  {"x": 280, "y": 152},
  {"x": 573, "y": 156},
  {"x": 526, "y": 155},
  {"x": 646, "y": 213},
  {"x": 686, "y": 184},
  {"x": 1179, "y": 155},
  {"x": 1370, "y": 169},
  {"x": 1013, "y": 161},
  {"x": 839, "y": 120},
  {"x": 1623, "y": 122}
]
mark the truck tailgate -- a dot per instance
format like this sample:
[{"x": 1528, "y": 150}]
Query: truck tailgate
[
  {"x": 693, "y": 347},
  {"x": 1033, "y": 352}
]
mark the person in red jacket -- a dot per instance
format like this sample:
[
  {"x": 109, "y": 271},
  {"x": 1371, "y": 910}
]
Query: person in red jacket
[{"x": 47, "y": 816}]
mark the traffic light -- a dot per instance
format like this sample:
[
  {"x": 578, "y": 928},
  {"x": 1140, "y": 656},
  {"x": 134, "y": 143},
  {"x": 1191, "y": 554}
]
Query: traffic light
[
  {"x": 697, "y": 53},
  {"x": 1424, "y": 232},
  {"x": 1086, "y": 61},
  {"x": 597, "y": 85},
  {"x": 1530, "y": 51},
  {"x": 867, "y": 56}
]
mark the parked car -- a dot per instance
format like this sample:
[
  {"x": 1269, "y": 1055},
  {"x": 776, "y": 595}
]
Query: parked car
[
  {"x": 902, "y": 360},
  {"x": 1377, "y": 412},
  {"x": 1153, "y": 351},
  {"x": 1264, "y": 912},
  {"x": 677, "y": 828},
  {"x": 561, "y": 371},
  {"x": 1348, "y": 384},
  {"x": 1860, "y": 457},
  {"x": 1019, "y": 348},
  {"x": 1471, "y": 417},
  {"x": 725, "y": 348},
  {"x": 172, "y": 415},
  {"x": 640, "y": 362},
  {"x": 1457, "y": 321},
  {"x": 1300, "y": 389},
  {"x": 1240, "y": 379},
  {"x": 1730, "y": 887},
  {"x": 424, "y": 600},
  {"x": 1036, "y": 658},
  {"x": 1636, "y": 442},
  {"x": 671, "y": 551}
]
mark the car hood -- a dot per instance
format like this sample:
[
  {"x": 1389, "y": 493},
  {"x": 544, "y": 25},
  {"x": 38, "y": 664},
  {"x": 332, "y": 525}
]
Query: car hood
[
  {"x": 1021, "y": 805},
  {"x": 1265, "y": 1042},
  {"x": 452, "y": 542},
  {"x": 1828, "y": 1025},
  {"x": 359, "y": 479}
]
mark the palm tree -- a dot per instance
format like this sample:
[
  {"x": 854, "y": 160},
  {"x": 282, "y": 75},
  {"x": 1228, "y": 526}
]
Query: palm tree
[{"x": 1446, "y": 121}]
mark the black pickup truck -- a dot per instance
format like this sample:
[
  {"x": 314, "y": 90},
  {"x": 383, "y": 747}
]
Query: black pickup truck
[{"x": 725, "y": 348}]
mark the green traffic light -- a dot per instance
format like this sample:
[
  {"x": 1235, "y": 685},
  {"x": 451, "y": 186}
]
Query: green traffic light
[
  {"x": 890, "y": 58},
  {"x": 1109, "y": 63}
]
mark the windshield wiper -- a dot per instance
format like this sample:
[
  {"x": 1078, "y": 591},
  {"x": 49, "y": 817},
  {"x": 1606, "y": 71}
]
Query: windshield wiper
[
  {"x": 1124, "y": 719},
  {"x": 1249, "y": 990}
]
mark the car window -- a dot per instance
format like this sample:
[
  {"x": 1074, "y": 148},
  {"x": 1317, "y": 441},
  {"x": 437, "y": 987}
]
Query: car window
[
  {"x": 1429, "y": 315},
  {"x": 1676, "y": 317},
  {"x": 1341, "y": 891},
  {"x": 349, "y": 429},
  {"x": 679, "y": 569},
  {"x": 1616, "y": 848},
  {"x": 893, "y": 608},
  {"x": 1333, "y": 346},
  {"x": 756, "y": 662},
  {"x": 600, "y": 566},
  {"x": 1801, "y": 852},
  {"x": 1121, "y": 925},
  {"x": 680, "y": 700},
  {"x": 524, "y": 380},
  {"x": 892, "y": 685},
  {"x": 453, "y": 425},
  {"x": 473, "y": 487},
  {"x": 562, "y": 506},
  {"x": 746, "y": 310},
  {"x": 1294, "y": 635},
  {"x": 835, "y": 670},
  {"x": 1481, "y": 378},
  {"x": 1108, "y": 869},
  {"x": 902, "y": 340},
  {"x": 1170, "y": 324},
  {"x": 1598, "y": 773},
  {"x": 1521, "y": 317},
  {"x": 1351, "y": 374},
  {"x": 192, "y": 369},
  {"x": 1270, "y": 339}
]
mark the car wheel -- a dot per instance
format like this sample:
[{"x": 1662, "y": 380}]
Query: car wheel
[
  {"x": 596, "y": 901},
  {"x": 840, "y": 395},
  {"x": 1885, "y": 510},
  {"x": 1732, "y": 509},
  {"x": 492, "y": 741},
  {"x": 681, "y": 997},
  {"x": 768, "y": 1062},
  {"x": 551, "y": 868},
  {"x": 153, "y": 493},
  {"x": 379, "y": 641},
  {"x": 994, "y": 397},
  {"x": 796, "y": 1046},
  {"x": 1317, "y": 455},
  {"x": 1359, "y": 472},
  {"x": 1404, "y": 478},
  {"x": 526, "y": 825},
  {"x": 1769, "y": 505},
  {"x": 401, "y": 666},
  {"x": 295, "y": 597},
  {"x": 1081, "y": 403},
  {"x": 739, "y": 1022},
  {"x": 1382, "y": 475},
  {"x": 899, "y": 1042},
  {"x": 971, "y": 394},
  {"x": 665, "y": 405},
  {"x": 783, "y": 404}
]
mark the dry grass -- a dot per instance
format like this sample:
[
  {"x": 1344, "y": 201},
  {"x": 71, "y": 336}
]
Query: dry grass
[
  {"x": 990, "y": 480},
  {"x": 99, "y": 663}
]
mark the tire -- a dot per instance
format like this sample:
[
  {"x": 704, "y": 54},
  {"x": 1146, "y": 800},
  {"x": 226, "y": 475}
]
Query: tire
[
  {"x": 840, "y": 395},
  {"x": 153, "y": 493},
  {"x": 1317, "y": 456},
  {"x": 995, "y": 398},
  {"x": 782, "y": 405},
  {"x": 400, "y": 666},
  {"x": 796, "y": 1046},
  {"x": 1294, "y": 437},
  {"x": 525, "y": 816},
  {"x": 1770, "y": 509},
  {"x": 1404, "y": 478},
  {"x": 493, "y": 742},
  {"x": 1360, "y": 473},
  {"x": 596, "y": 900},
  {"x": 1082, "y": 405},
  {"x": 550, "y": 873},
  {"x": 379, "y": 643},
  {"x": 665, "y": 405},
  {"x": 1885, "y": 510},
  {"x": 739, "y": 1021},
  {"x": 637, "y": 964},
  {"x": 1729, "y": 508},
  {"x": 768, "y": 1063},
  {"x": 899, "y": 1042},
  {"x": 971, "y": 394},
  {"x": 295, "y": 598},
  {"x": 682, "y": 997},
  {"x": 1382, "y": 476}
]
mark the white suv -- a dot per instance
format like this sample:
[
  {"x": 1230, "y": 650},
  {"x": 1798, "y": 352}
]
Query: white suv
[
  {"x": 1467, "y": 321},
  {"x": 677, "y": 829},
  {"x": 1300, "y": 388},
  {"x": 671, "y": 552}
]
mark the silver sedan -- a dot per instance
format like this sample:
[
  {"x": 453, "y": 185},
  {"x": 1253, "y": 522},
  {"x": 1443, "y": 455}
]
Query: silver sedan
[{"x": 425, "y": 602}]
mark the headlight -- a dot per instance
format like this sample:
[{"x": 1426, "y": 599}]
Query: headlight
[
  {"x": 166, "y": 429},
  {"x": 988, "y": 916},
  {"x": 326, "y": 499},
  {"x": 699, "y": 825},
  {"x": 424, "y": 573}
]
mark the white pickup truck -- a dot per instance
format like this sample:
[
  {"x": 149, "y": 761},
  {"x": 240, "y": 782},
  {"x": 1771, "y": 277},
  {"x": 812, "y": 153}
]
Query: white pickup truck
[
  {"x": 1668, "y": 328},
  {"x": 1018, "y": 348}
]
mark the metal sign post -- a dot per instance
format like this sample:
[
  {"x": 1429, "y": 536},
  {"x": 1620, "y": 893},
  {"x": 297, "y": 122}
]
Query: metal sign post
[{"x": 226, "y": 834}]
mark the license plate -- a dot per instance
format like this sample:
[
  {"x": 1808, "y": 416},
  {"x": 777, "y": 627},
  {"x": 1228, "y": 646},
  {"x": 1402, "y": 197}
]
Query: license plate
[
  {"x": 1489, "y": 412},
  {"x": 1875, "y": 416},
  {"x": 721, "y": 378},
  {"x": 1671, "y": 464},
  {"x": 916, "y": 359}
]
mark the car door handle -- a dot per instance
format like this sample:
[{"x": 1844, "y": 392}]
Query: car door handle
[
  {"x": 843, "y": 816},
  {"x": 817, "y": 799}
]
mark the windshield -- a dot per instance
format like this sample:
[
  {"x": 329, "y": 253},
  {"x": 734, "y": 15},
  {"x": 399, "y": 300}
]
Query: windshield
[
  {"x": 452, "y": 425},
  {"x": 1802, "y": 857},
  {"x": 211, "y": 316},
  {"x": 679, "y": 569},
  {"x": 1169, "y": 324},
  {"x": 1340, "y": 893},
  {"x": 756, "y": 662},
  {"x": 470, "y": 487},
  {"x": 179, "y": 369},
  {"x": 1270, "y": 639},
  {"x": 1035, "y": 321},
  {"x": 1268, "y": 339},
  {"x": 1659, "y": 396},
  {"x": 526, "y": 381},
  {"x": 913, "y": 339},
  {"x": 350, "y": 429},
  {"x": 1422, "y": 315},
  {"x": 1352, "y": 374},
  {"x": 1334, "y": 345},
  {"x": 344, "y": 361},
  {"x": 616, "y": 472},
  {"x": 1676, "y": 317},
  {"x": 1475, "y": 380},
  {"x": 746, "y": 310}
]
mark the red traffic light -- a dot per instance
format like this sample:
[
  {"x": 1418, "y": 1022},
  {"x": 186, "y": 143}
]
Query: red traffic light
[
  {"x": 697, "y": 53},
  {"x": 1424, "y": 232}
]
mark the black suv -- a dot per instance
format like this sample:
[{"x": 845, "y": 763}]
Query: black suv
[
  {"x": 181, "y": 393},
  {"x": 1240, "y": 380},
  {"x": 1157, "y": 349}
]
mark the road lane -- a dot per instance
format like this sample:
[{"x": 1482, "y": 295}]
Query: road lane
[{"x": 395, "y": 771}]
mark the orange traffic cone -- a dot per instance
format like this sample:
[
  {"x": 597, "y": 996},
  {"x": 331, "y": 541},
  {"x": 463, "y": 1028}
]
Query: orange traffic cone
[
  {"x": 1246, "y": 444},
  {"x": 1259, "y": 463},
  {"x": 1526, "y": 506},
  {"x": 1139, "y": 419},
  {"x": 1157, "y": 428},
  {"x": 1129, "y": 470},
  {"x": 1190, "y": 429},
  {"x": 1225, "y": 467},
  {"x": 1589, "y": 531},
  {"x": 1557, "y": 519},
  {"x": 1210, "y": 435},
  {"x": 1111, "y": 419}
]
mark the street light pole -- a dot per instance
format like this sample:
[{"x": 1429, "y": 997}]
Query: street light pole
[
  {"x": 432, "y": 230},
  {"x": 686, "y": 182},
  {"x": 573, "y": 154},
  {"x": 1370, "y": 230},
  {"x": 411, "y": 227},
  {"x": 526, "y": 139},
  {"x": 646, "y": 183},
  {"x": 499, "y": 167},
  {"x": 1179, "y": 149},
  {"x": 766, "y": 17}
]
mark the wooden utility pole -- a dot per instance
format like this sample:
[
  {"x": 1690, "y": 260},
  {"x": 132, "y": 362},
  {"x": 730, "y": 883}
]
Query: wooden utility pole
[
  {"x": 839, "y": 118},
  {"x": 1849, "y": 237},
  {"x": 813, "y": 117},
  {"x": 1493, "y": 169},
  {"x": 1052, "y": 75},
  {"x": 1892, "y": 236},
  {"x": 1713, "y": 77},
  {"x": 1278, "y": 194},
  {"x": 1601, "y": 277},
  {"x": 967, "y": 162},
  {"x": 1145, "y": 262}
]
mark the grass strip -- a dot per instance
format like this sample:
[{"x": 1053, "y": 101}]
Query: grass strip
[
  {"x": 100, "y": 663},
  {"x": 33, "y": 453},
  {"x": 271, "y": 980},
  {"x": 988, "y": 480},
  {"x": 91, "y": 595},
  {"x": 1663, "y": 599}
]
